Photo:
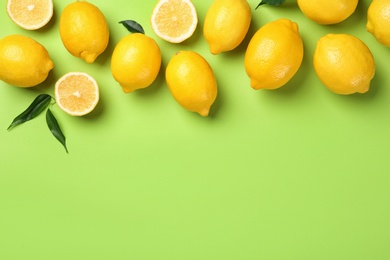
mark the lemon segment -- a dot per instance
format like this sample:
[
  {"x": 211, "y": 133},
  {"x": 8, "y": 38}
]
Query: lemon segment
[
  {"x": 174, "y": 20},
  {"x": 30, "y": 14},
  {"x": 77, "y": 93}
]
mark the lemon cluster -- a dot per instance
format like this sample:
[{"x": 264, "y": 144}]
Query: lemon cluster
[
  {"x": 27, "y": 63},
  {"x": 342, "y": 62}
]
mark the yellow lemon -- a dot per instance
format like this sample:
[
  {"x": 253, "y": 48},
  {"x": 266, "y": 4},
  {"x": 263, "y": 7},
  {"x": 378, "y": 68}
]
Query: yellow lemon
[
  {"x": 191, "y": 81},
  {"x": 135, "y": 62},
  {"x": 329, "y": 11},
  {"x": 274, "y": 54},
  {"x": 226, "y": 24},
  {"x": 23, "y": 61},
  {"x": 84, "y": 30},
  {"x": 344, "y": 63},
  {"x": 378, "y": 21}
]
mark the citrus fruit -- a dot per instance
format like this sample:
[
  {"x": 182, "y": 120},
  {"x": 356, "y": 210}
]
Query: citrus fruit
[
  {"x": 274, "y": 54},
  {"x": 174, "y": 20},
  {"x": 76, "y": 93},
  {"x": 84, "y": 30},
  {"x": 191, "y": 81},
  {"x": 378, "y": 21},
  {"x": 226, "y": 24},
  {"x": 327, "y": 12},
  {"x": 135, "y": 62},
  {"x": 344, "y": 63},
  {"x": 30, "y": 14},
  {"x": 23, "y": 61}
]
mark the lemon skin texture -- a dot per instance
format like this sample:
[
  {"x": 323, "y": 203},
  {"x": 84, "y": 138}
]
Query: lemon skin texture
[
  {"x": 344, "y": 64},
  {"x": 84, "y": 30},
  {"x": 23, "y": 61},
  {"x": 135, "y": 62},
  {"x": 226, "y": 24},
  {"x": 192, "y": 82},
  {"x": 378, "y": 21},
  {"x": 329, "y": 11},
  {"x": 274, "y": 54}
]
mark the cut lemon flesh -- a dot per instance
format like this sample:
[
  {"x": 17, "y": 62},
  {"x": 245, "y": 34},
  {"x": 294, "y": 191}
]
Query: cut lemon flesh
[
  {"x": 30, "y": 14},
  {"x": 174, "y": 20},
  {"x": 76, "y": 93}
]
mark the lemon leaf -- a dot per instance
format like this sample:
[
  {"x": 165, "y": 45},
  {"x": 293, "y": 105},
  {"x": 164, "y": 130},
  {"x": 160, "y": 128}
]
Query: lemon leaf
[
  {"x": 55, "y": 128},
  {"x": 36, "y": 107},
  {"x": 270, "y": 2},
  {"x": 132, "y": 26}
]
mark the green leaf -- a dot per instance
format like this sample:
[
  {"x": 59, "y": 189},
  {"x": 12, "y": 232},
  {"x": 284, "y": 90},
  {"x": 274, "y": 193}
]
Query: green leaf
[
  {"x": 55, "y": 128},
  {"x": 132, "y": 26},
  {"x": 270, "y": 2},
  {"x": 37, "y": 106}
]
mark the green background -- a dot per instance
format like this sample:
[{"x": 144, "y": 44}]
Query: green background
[{"x": 295, "y": 173}]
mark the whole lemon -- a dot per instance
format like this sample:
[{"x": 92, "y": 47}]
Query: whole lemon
[
  {"x": 135, "y": 62},
  {"x": 274, "y": 54},
  {"x": 226, "y": 24},
  {"x": 378, "y": 21},
  {"x": 344, "y": 63},
  {"x": 327, "y": 12},
  {"x": 84, "y": 30},
  {"x": 191, "y": 81},
  {"x": 23, "y": 61}
]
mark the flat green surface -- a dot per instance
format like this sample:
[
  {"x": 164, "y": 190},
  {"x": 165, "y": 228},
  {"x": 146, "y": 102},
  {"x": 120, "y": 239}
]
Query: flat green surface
[{"x": 296, "y": 173}]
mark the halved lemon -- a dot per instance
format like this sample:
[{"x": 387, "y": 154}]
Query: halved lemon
[
  {"x": 174, "y": 20},
  {"x": 77, "y": 93},
  {"x": 30, "y": 14}
]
